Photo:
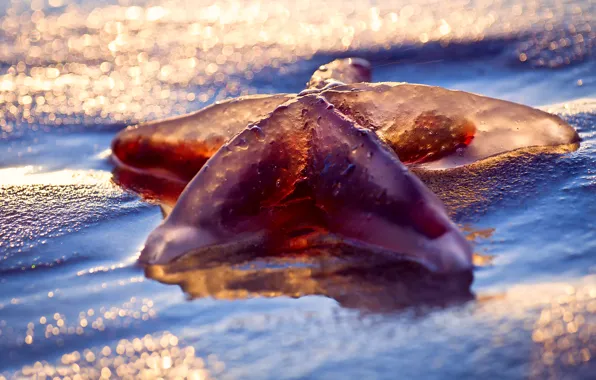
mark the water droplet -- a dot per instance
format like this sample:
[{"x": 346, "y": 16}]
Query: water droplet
[
  {"x": 382, "y": 198},
  {"x": 241, "y": 143},
  {"x": 258, "y": 132},
  {"x": 308, "y": 91},
  {"x": 337, "y": 189},
  {"x": 349, "y": 169},
  {"x": 332, "y": 83}
]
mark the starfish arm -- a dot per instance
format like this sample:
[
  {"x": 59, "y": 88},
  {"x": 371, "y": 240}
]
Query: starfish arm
[
  {"x": 230, "y": 199},
  {"x": 452, "y": 128},
  {"x": 178, "y": 147},
  {"x": 347, "y": 70},
  {"x": 372, "y": 200}
]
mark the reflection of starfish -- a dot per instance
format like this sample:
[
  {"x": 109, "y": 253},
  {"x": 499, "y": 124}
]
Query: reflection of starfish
[
  {"x": 320, "y": 167},
  {"x": 361, "y": 283}
]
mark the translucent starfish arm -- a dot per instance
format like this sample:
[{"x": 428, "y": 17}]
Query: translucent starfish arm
[
  {"x": 178, "y": 147},
  {"x": 346, "y": 70},
  {"x": 229, "y": 203},
  {"x": 372, "y": 200},
  {"x": 453, "y": 128}
]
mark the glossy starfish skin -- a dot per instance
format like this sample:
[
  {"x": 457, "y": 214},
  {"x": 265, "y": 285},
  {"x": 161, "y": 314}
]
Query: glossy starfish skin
[{"x": 344, "y": 181}]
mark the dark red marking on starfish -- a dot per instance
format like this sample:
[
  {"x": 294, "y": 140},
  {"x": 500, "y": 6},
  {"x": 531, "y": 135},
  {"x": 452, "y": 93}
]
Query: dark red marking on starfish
[{"x": 432, "y": 137}]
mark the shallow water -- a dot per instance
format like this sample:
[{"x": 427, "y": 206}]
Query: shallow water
[{"x": 73, "y": 300}]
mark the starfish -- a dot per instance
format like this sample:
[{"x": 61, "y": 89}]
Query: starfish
[{"x": 326, "y": 167}]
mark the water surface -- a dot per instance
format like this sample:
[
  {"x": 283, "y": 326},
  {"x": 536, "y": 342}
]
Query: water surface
[{"x": 73, "y": 300}]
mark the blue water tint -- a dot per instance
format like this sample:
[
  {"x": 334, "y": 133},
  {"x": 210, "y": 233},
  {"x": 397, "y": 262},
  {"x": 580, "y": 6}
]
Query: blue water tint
[{"x": 69, "y": 239}]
